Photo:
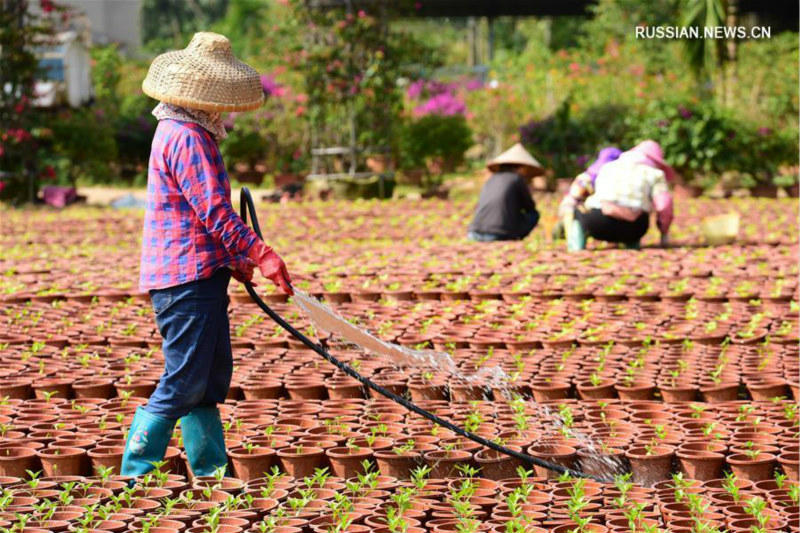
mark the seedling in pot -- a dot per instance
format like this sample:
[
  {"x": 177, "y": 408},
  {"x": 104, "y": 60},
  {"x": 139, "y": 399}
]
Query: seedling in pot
[
  {"x": 404, "y": 448},
  {"x": 566, "y": 420},
  {"x": 419, "y": 476},
  {"x": 624, "y": 485},
  {"x": 369, "y": 477},
  {"x": 794, "y": 493},
  {"x": 319, "y": 479},
  {"x": 755, "y": 506},
  {"x": 679, "y": 486},
  {"x": 395, "y": 521},
  {"x": 752, "y": 454},
  {"x": 730, "y": 486}
]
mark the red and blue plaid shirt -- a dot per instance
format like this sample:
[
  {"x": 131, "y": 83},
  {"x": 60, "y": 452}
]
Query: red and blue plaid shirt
[{"x": 190, "y": 226}]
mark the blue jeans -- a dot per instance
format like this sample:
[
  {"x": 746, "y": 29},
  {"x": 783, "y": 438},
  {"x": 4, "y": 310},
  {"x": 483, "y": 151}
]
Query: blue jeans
[
  {"x": 193, "y": 321},
  {"x": 483, "y": 237}
]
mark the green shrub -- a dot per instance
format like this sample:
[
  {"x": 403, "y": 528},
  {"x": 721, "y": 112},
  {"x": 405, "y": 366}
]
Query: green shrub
[
  {"x": 434, "y": 136},
  {"x": 85, "y": 138},
  {"x": 702, "y": 141},
  {"x": 134, "y": 128}
]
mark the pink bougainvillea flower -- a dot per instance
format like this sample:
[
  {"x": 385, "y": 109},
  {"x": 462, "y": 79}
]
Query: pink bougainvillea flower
[
  {"x": 271, "y": 87},
  {"x": 444, "y": 104},
  {"x": 473, "y": 85},
  {"x": 2, "y": 185},
  {"x": 362, "y": 13},
  {"x": 299, "y": 111},
  {"x": 46, "y": 5}
]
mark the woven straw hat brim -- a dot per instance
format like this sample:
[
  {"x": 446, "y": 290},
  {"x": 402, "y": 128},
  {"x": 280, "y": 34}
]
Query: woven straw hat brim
[
  {"x": 214, "y": 81},
  {"x": 516, "y": 155}
]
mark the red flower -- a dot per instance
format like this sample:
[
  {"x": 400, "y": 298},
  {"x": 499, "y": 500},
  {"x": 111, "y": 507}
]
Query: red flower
[
  {"x": 49, "y": 172},
  {"x": 299, "y": 111},
  {"x": 46, "y": 5},
  {"x": 362, "y": 13}
]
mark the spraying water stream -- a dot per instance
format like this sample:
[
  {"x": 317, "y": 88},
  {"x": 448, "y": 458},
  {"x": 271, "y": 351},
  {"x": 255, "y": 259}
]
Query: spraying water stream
[{"x": 329, "y": 321}]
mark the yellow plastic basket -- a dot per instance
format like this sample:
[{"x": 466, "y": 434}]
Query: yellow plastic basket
[{"x": 720, "y": 229}]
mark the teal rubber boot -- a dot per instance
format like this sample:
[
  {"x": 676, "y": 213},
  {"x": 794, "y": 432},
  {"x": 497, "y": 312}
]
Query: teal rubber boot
[
  {"x": 148, "y": 438},
  {"x": 204, "y": 441},
  {"x": 576, "y": 237}
]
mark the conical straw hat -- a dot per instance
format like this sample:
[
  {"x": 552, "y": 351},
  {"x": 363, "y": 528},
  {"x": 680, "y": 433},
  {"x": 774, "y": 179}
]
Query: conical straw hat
[
  {"x": 516, "y": 155},
  {"x": 205, "y": 75}
]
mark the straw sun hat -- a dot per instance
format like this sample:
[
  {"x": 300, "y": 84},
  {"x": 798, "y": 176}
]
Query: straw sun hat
[
  {"x": 516, "y": 155},
  {"x": 205, "y": 75}
]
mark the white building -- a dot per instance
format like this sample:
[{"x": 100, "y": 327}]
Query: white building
[
  {"x": 112, "y": 21},
  {"x": 67, "y": 72}
]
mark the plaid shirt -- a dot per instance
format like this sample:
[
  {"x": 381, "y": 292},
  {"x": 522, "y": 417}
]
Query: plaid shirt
[{"x": 190, "y": 226}]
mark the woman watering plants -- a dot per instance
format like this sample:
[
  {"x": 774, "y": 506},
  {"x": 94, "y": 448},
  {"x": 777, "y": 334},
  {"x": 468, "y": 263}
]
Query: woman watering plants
[
  {"x": 193, "y": 242},
  {"x": 581, "y": 188},
  {"x": 506, "y": 210},
  {"x": 626, "y": 191}
]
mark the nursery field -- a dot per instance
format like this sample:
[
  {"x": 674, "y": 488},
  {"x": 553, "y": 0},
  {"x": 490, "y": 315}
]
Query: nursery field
[{"x": 673, "y": 372}]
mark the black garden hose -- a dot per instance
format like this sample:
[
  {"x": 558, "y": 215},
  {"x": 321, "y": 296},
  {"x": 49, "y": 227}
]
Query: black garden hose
[{"x": 247, "y": 206}]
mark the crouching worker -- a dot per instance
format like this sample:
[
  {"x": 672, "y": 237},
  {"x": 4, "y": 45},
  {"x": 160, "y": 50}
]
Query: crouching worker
[
  {"x": 581, "y": 188},
  {"x": 626, "y": 191},
  {"x": 506, "y": 210},
  {"x": 193, "y": 242}
]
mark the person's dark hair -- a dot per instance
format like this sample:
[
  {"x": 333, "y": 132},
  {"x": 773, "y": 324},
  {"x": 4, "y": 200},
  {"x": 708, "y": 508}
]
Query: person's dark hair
[{"x": 507, "y": 167}]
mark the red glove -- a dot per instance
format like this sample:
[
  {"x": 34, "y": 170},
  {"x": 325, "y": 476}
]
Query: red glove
[
  {"x": 272, "y": 267},
  {"x": 245, "y": 275}
]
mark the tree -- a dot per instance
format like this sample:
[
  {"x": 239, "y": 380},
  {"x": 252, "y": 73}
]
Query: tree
[
  {"x": 706, "y": 56},
  {"x": 169, "y": 23},
  {"x": 20, "y": 31}
]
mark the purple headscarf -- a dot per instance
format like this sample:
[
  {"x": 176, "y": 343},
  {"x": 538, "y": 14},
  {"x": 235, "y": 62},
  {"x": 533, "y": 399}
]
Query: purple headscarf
[{"x": 606, "y": 155}]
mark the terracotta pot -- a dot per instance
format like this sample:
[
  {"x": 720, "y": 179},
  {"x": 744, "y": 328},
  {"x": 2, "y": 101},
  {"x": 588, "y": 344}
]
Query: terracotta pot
[
  {"x": 266, "y": 389},
  {"x": 589, "y": 528},
  {"x": 347, "y": 462},
  {"x": 700, "y": 465},
  {"x": 559, "y": 454},
  {"x": 63, "y": 461},
  {"x": 678, "y": 393},
  {"x": 755, "y": 469},
  {"x": 636, "y": 391},
  {"x": 553, "y": 390},
  {"x": 716, "y": 393},
  {"x": 107, "y": 457},
  {"x": 93, "y": 388},
  {"x": 444, "y": 463},
  {"x": 302, "y": 463},
  {"x": 789, "y": 462},
  {"x": 398, "y": 465},
  {"x": 603, "y": 389},
  {"x": 16, "y": 461},
  {"x": 649, "y": 468},
  {"x": 252, "y": 464}
]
